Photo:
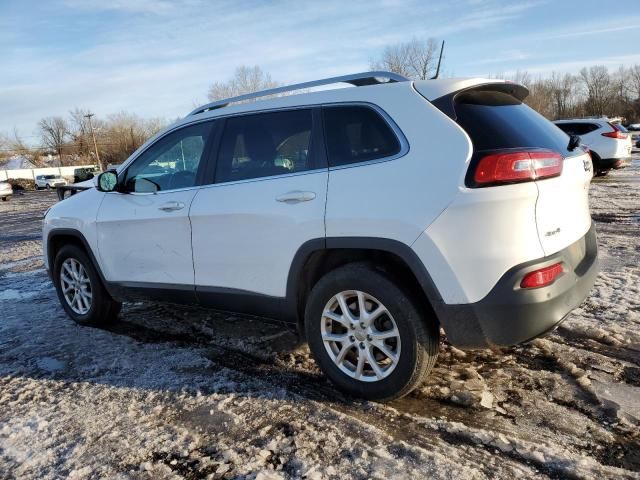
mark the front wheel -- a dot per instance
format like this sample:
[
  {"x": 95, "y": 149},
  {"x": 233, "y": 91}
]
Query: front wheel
[
  {"x": 368, "y": 335},
  {"x": 80, "y": 289}
]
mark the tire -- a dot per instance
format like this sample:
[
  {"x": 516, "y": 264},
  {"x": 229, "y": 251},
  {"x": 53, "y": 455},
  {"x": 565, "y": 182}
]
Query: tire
[
  {"x": 102, "y": 308},
  {"x": 602, "y": 173},
  {"x": 415, "y": 346},
  {"x": 4, "y": 199},
  {"x": 48, "y": 187}
]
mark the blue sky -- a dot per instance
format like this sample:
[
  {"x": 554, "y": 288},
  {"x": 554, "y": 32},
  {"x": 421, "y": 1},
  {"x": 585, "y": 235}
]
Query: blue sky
[{"x": 158, "y": 57}]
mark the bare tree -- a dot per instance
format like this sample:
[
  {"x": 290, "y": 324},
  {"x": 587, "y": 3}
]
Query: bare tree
[
  {"x": 123, "y": 133},
  {"x": 415, "y": 59},
  {"x": 245, "y": 80},
  {"x": 596, "y": 82},
  {"x": 80, "y": 133},
  {"x": 18, "y": 146},
  {"x": 54, "y": 132},
  {"x": 634, "y": 81},
  {"x": 562, "y": 89}
]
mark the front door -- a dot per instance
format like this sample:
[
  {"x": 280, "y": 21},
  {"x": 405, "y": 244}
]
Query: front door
[{"x": 144, "y": 234}]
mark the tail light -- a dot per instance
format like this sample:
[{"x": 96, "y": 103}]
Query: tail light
[
  {"x": 616, "y": 133},
  {"x": 542, "y": 277},
  {"x": 519, "y": 166}
]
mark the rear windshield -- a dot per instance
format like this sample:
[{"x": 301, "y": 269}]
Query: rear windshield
[
  {"x": 621, "y": 128},
  {"x": 497, "y": 120}
]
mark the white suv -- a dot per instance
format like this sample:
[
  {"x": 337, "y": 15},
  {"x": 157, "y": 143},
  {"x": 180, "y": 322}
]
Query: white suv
[
  {"x": 49, "y": 181},
  {"x": 372, "y": 216},
  {"x": 610, "y": 143}
]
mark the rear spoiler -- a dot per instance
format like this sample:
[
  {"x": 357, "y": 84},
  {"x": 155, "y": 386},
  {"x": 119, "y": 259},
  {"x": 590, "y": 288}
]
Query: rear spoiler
[
  {"x": 446, "y": 103},
  {"x": 69, "y": 190}
]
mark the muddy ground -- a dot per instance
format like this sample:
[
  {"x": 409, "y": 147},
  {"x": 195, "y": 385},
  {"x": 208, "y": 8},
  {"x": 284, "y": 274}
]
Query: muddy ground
[{"x": 170, "y": 392}]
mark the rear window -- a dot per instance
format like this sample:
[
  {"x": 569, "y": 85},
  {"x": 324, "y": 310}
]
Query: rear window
[
  {"x": 357, "y": 134},
  {"x": 577, "y": 128},
  {"x": 496, "y": 120},
  {"x": 621, "y": 128}
]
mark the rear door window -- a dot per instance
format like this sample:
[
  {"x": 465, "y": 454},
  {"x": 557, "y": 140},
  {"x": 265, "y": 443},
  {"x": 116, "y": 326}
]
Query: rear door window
[
  {"x": 496, "y": 120},
  {"x": 264, "y": 145},
  {"x": 355, "y": 134}
]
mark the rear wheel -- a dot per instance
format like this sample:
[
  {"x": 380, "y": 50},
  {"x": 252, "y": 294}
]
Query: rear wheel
[
  {"x": 369, "y": 336},
  {"x": 4, "y": 199},
  {"x": 80, "y": 290}
]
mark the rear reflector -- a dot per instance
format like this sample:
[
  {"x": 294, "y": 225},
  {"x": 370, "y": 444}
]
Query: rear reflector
[
  {"x": 616, "y": 133},
  {"x": 520, "y": 166},
  {"x": 542, "y": 277}
]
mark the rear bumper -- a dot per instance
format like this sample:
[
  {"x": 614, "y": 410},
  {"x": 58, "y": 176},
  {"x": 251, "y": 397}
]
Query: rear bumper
[{"x": 510, "y": 315}]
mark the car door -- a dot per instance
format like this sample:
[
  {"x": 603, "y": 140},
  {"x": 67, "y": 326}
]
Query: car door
[
  {"x": 144, "y": 234},
  {"x": 267, "y": 200}
]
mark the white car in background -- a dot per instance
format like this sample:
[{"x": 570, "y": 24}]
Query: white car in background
[
  {"x": 610, "y": 143},
  {"x": 49, "y": 181},
  {"x": 6, "y": 190}
]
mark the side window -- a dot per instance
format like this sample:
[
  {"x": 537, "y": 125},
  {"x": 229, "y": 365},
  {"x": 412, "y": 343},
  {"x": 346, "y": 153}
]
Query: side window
[
  {"x": 357, "y": 134},
  {"x": 568, "y": 128},
  {"x": 170, "y": 163},
  {"x": 589, "y": 127},
  {"x": 265, "y": 144}
]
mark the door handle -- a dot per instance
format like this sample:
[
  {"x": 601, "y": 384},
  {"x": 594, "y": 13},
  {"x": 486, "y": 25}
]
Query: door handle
[
  {"x": 296, "y": 196},
  {"x": 171, "y": 206}
]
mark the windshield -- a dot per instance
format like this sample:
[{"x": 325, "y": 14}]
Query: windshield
[{"x": 50, "y": 177}]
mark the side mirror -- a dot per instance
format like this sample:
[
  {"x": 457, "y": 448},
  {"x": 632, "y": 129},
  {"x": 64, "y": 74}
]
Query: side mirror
[{"x": 108, "y": 181}]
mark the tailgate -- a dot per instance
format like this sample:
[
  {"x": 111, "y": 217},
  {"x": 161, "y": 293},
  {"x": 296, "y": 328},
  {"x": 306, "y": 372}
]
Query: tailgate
[{"x": 562, "y": 209}]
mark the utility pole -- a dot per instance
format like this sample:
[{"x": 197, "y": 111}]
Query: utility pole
[{"x": 95, "y": 144}]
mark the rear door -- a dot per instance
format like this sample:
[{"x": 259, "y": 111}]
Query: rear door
[
  {"x": 268, "y": 199},
  {"x": 496, "y": 121}
]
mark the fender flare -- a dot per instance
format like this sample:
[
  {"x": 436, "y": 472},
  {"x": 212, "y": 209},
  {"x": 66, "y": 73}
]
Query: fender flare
[{"x": 403, "y": 251}]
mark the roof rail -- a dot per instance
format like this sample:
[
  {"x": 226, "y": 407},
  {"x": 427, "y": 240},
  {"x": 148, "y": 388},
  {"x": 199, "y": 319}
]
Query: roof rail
[{"x": 357, "y": 79}]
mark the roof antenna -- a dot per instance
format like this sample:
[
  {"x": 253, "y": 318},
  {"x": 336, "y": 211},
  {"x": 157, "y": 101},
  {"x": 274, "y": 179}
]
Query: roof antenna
[{"x": 439, "y": 60}]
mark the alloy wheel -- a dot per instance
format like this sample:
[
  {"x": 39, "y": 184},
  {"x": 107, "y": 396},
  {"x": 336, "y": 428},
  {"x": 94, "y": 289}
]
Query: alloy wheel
[
  {"x": 76, "y": 286},
  {"x": 360, "y": 336}
]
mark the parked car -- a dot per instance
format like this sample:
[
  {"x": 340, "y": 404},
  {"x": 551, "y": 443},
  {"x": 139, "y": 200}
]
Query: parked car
[
  {"x": 371, "y": 216},
  {"x": 609, "y": 143},
  {"x": 84, "y": 173},
  {"x": 49, "y": 181},
  {"x": 6, "y": 190}
]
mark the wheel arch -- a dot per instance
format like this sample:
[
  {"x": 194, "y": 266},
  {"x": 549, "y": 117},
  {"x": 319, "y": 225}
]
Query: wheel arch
[
  {"x": 319, "y": 256},
  {"x": 59, "y": 237}
]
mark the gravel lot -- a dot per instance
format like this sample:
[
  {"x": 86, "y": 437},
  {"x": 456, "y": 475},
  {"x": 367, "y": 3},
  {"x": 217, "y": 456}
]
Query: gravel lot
[{"x": 173, "y": 392}]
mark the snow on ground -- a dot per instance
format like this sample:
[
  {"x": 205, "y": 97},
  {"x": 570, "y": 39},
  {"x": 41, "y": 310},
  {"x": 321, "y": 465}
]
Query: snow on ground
[{"x": 170, "y": 392}]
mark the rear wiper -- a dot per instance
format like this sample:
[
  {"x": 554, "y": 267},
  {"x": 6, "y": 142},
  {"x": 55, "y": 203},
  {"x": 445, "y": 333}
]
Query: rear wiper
[{"x": 574, "y": 142}]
